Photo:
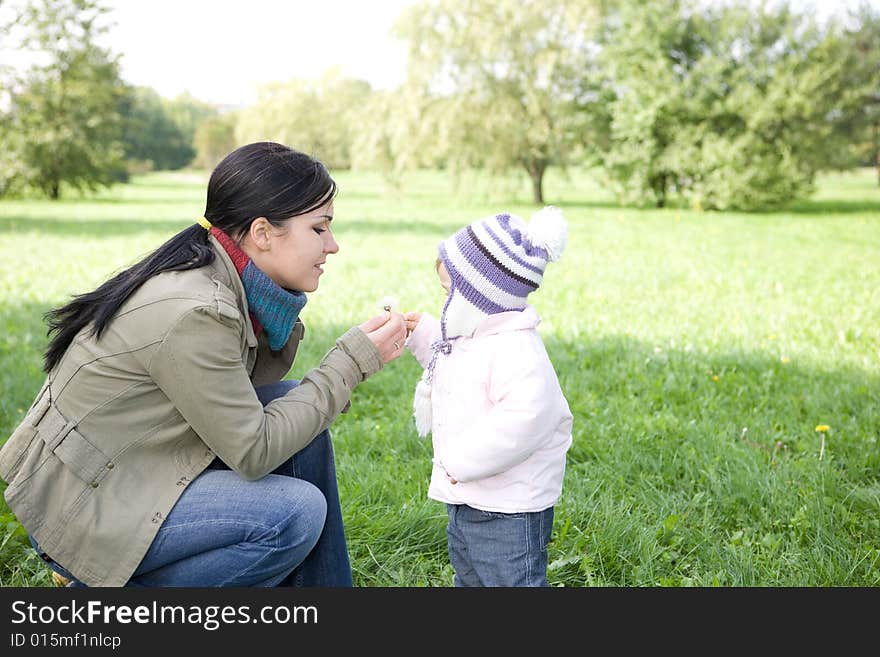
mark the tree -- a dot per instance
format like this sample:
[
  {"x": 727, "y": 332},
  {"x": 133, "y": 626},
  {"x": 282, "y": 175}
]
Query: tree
[
  {"x": 726, "y": 107},
  {"x": 65, "y": 109},
  {"x": 861, "y": 133},
  {"x": 151, "y": 136},
  {"x": 500, "y": 84},
  {"x": 188, "y": 112},
  {"x": 392, "y": 135},
  {"x": 313, "y": 116},
  {"x": 373, "y": 144},
  {"x": 214, "y": 139}
]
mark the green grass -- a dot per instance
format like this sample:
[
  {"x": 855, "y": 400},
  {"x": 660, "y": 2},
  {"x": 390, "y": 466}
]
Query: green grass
[{"x": 698, "y": 352}]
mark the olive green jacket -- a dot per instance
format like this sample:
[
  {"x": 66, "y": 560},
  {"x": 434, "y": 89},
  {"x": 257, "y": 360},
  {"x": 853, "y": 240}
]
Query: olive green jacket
[{"x": 124, "y": 423}]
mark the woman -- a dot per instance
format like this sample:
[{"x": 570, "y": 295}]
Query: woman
[{"x": 164, "y": 449}]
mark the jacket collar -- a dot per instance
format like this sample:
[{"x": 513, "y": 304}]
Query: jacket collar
[
  {"x": 512, "y": 320},
  {"x": 228, "y": 274}
]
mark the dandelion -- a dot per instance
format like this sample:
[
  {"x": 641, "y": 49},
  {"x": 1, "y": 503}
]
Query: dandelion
[
  {"x": 823, "y": 429},
  {"x": 714, "y": 377},
  {"x": 785, "y": 360},
  {"x": 388, "y": 303}
]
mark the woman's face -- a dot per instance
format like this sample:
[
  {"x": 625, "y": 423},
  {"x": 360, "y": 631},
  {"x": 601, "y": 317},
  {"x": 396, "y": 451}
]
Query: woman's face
[{"x": 293, "y": 255}]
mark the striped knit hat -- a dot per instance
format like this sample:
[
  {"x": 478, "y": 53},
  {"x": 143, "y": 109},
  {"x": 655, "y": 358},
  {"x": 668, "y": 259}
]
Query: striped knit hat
[{"x": 494, "y": 264}]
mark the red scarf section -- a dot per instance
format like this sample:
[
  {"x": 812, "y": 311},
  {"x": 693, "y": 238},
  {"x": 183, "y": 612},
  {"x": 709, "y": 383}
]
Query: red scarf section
[{"x": 240, "y": 259}]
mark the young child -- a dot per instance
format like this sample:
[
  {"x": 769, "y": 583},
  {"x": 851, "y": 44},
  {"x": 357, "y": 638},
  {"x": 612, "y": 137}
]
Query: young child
[{"x": 490, "y": 397}]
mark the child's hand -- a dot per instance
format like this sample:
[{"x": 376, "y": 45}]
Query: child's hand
[{"x": 412, "y": 320}]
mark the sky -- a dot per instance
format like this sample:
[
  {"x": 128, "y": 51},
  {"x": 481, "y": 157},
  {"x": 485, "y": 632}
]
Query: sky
[{"x": 221, "y": 51}]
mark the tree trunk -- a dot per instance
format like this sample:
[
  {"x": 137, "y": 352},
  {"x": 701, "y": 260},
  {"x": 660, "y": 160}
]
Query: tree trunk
[
  {"x": 877, "y": 151},
  {"x": 54, "y": 180},
  {"x": 538, "y": 188},
  {"x": 536, "y": 175},
  {"x": 658, "y": 183}
]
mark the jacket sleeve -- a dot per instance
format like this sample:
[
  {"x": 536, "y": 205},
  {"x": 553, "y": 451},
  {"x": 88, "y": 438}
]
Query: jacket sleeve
[
  {"x": 199, "y": 367},
  {"x": 420, "y": 340},
  {"x": 527, "y": 408}
]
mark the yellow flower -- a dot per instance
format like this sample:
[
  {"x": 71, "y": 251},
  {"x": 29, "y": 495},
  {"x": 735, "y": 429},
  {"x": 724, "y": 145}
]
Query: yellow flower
[
  {"x": 785, "y": 360},
  {"x": 714, "y": 377},
  {"x": 822, "y": 428}
]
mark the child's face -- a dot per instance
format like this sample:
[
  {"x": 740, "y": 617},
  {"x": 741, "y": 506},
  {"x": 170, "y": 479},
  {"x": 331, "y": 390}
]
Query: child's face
[{"x": 443, "y": 275}]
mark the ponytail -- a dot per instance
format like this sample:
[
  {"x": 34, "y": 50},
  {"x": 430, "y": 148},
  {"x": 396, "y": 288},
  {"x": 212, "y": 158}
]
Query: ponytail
[{"x": 188, "y": 249}]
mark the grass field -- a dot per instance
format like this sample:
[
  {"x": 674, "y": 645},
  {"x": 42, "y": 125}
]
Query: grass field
[{"x": 698, "y": 351}]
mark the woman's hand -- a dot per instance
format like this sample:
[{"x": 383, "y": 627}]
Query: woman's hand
[{"x": 388, "y": 332}]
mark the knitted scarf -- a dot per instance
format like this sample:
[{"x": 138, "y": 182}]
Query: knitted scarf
[{"x": 272, "y": 308}]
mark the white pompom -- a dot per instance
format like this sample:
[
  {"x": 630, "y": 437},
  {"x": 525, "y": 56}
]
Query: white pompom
[
  {"x": 548, "y": 230},
  {"x": 422, "y": 407}
]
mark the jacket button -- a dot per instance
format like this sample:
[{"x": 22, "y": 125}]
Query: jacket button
[
  {"x": 109, "y": 466},
  {"x": 94, "y": 484}
]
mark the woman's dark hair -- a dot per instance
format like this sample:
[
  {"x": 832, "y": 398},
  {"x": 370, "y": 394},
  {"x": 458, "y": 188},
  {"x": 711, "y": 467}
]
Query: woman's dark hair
[{"x": 263, "y": 179}]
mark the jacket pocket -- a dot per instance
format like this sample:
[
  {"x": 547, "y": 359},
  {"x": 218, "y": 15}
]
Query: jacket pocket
[
  {"x": 60, "y": 438},
  {"x": 19, "y": 443},
  {"x": 84, "y": 459}
]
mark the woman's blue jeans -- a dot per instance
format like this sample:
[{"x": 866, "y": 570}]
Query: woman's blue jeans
[{"x": 284, "y": 529}]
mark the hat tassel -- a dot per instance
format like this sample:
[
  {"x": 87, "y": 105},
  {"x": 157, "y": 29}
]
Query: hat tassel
[{"x": 422, "y": 407}]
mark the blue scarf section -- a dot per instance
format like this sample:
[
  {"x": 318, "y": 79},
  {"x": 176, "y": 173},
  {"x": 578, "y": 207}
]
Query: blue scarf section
[{"x": 275, "y": 308}]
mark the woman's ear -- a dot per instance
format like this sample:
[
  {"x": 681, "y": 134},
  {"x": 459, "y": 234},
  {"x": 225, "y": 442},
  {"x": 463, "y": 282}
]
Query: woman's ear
[{"x": 260, "y": 233}]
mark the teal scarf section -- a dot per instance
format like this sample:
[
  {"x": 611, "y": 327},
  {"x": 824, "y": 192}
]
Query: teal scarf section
[{"x": 273, "y": 309}]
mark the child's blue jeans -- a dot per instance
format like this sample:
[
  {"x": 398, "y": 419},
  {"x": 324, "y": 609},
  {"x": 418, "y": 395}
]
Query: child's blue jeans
[
  {"x": 498, "y": 549},
  {"x": 284, "y": 529}
]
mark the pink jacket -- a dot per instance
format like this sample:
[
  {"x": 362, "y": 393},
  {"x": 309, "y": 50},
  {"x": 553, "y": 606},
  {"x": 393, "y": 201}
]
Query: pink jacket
[{"x": 501, "y": 424}]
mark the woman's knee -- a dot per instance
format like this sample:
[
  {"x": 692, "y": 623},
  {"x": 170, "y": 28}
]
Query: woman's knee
[{"x": 306, "y": 511}]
